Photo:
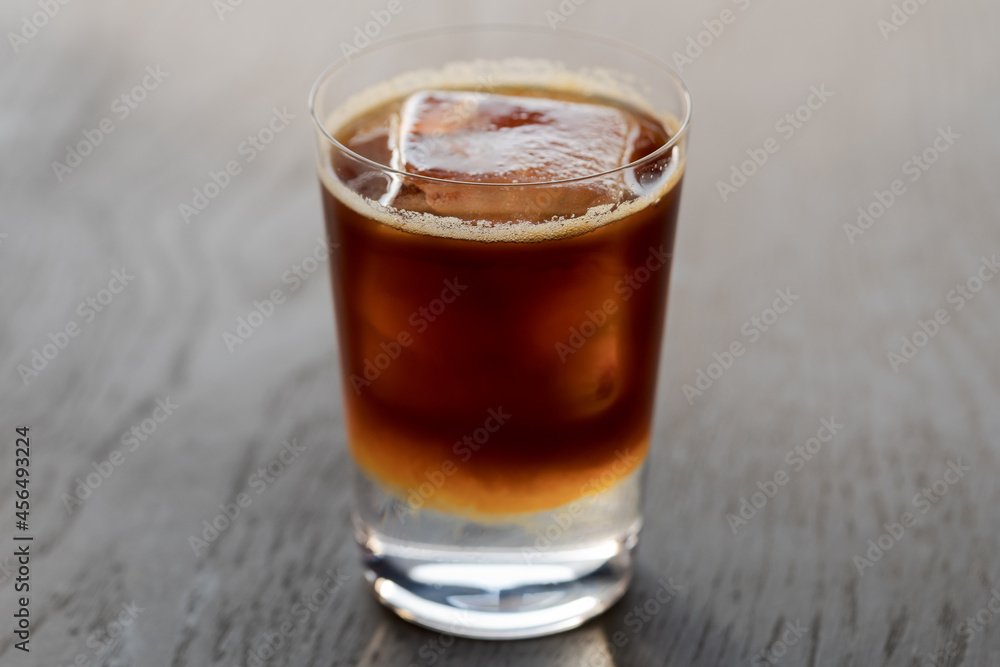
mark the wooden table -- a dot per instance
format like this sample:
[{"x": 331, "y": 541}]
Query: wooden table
[{"x": 121, "y": 561}]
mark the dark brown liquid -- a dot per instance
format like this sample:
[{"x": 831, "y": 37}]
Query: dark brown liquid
[{"x": 442, "y": 339}]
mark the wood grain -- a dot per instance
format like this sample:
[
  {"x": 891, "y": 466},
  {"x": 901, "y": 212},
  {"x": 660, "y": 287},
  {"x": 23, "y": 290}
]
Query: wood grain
[{"x": 826, "y": 358}]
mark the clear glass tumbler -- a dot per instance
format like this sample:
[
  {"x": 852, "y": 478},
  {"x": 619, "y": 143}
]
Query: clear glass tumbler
[{"x": 499, "y": 328}]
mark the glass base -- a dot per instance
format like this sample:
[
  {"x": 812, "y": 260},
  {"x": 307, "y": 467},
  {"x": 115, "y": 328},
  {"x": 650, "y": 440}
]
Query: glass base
[{"x": 524, "y": 577}]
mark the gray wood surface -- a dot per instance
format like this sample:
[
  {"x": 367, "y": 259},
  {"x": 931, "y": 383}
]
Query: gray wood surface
[{"x": 162, "y": 337}]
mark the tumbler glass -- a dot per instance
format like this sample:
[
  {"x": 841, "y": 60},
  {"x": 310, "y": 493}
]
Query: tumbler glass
[{"x": 498, "y": 337}]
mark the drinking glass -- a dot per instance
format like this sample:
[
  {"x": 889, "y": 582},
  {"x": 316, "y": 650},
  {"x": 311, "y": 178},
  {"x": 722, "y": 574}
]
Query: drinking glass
[{"x": 499, "y": 341}]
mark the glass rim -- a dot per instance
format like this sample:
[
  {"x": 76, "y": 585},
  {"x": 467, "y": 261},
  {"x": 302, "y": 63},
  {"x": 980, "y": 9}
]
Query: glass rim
[{"x": 342, "y": 62}]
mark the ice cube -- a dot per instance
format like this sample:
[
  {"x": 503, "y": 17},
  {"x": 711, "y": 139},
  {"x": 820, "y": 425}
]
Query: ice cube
[
  {"x": 515, "y": 139},
  {"x": 490, "y": 138}
]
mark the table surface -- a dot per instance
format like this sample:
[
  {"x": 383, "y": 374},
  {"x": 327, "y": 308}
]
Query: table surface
[{"x": 890, "y": 92}]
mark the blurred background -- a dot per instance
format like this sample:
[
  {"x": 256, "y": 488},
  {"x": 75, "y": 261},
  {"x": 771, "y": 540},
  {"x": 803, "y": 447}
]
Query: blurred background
[{"x": 116, "y": 301}]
